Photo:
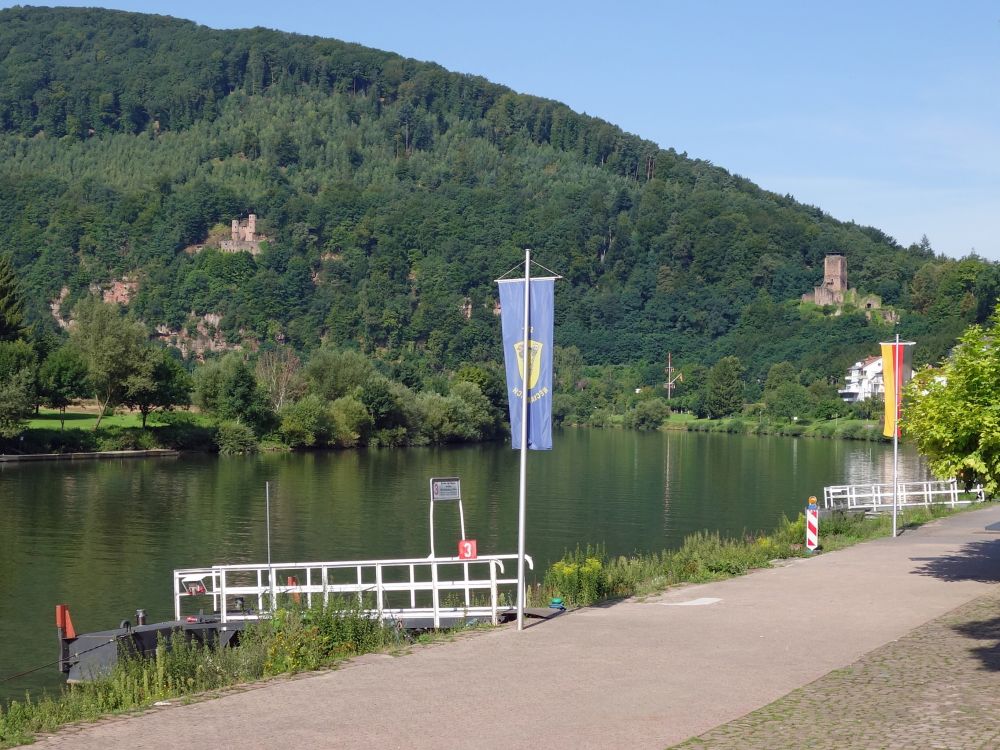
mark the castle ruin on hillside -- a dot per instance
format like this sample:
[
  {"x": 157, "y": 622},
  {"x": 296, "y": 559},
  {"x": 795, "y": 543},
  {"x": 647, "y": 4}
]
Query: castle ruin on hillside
[
  {"x": 834, "y": 289},
  {"x": 243, "y": 237}
]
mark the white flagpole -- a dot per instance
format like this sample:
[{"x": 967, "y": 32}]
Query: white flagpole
[
  {"x": 897, "y": 380},
  {"x": 270, "y": 570},
  {"x": 526, "y": 353}
]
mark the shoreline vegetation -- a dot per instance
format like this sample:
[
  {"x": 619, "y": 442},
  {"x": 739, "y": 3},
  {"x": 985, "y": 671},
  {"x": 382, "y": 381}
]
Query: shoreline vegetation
[
  {"x": 828, "y": 429},
  {"x": 198, "y": 432},
  {"x": 302, "y": 640}
]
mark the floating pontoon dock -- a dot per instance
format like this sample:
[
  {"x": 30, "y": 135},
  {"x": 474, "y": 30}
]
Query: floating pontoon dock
[{"x": 410, "y": 593}]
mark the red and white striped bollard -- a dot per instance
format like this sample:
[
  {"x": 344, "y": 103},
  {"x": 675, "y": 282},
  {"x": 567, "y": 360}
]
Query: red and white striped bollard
[{"x": 812, "y": 525}]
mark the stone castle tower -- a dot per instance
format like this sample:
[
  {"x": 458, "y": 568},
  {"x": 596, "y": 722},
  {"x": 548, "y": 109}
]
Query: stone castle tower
[
  {"x": 834, "y": 290},
  {"x": 243, "y": 237},
  {"x": 834, "y": 272},
  {"x": 245, "y": 231}
]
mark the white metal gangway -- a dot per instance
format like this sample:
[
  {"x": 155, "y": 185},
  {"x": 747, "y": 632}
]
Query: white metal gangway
[
  {"x": 434, "y": 589},
  {"x": 878, "y": 497}
]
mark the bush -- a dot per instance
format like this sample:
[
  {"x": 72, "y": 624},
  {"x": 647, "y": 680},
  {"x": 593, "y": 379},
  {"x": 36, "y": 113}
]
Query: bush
[
  {"x": 184, "y": 433},
  {"x": 563, "y": 409},
  {"x": 732, "y": 426},
  {"x": 236, "y": 437},
  {"x": 792, "y": 430},
  {"x": 53, "y": 441},
  {"x": 579, "y": 578},
  {"x": 649, "y": 414},
  {"x": 601, "y": 418},
  {"x": 302, "y": 639},
  {"x": 825, "y": 430},
  {"x": 389, "y": 437},
  {"x": 125, "y": 439},
  {"x": 352, "y": 423},
  {"x": 307, "y": 423}
]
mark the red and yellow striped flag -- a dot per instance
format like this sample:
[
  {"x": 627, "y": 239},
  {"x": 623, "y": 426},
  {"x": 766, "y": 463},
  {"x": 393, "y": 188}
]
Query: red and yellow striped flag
[{"x": 897, "y": 367}]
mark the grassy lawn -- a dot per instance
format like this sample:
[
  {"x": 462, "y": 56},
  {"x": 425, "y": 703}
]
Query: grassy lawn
[
  {"x": 49, "y": 419},
  {"x": 682, "y": 416}
]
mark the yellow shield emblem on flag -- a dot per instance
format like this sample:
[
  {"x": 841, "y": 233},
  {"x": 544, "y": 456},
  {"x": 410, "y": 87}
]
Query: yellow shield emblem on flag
[{"x": 534, "y": 361}]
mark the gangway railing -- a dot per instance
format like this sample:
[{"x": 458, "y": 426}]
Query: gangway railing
[
  {"x": 878, "y": 497},
  {"x": 439, "y": 588}
]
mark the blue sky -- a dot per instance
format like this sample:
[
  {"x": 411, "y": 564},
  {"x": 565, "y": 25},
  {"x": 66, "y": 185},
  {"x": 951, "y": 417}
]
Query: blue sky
[{"x": 884, "y": 113}]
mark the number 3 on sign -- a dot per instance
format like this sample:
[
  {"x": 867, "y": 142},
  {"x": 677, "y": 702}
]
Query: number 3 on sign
[{"x": 467, "y": 549}]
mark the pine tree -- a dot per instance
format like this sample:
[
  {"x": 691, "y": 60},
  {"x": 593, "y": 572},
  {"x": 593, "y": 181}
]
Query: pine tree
[
  {"x": 11, "y": 302},
  {"x": 724, "y": 390}
]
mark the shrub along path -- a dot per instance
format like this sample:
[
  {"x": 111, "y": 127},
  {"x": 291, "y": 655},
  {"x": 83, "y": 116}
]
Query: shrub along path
[{"x": 639, "y": 673}]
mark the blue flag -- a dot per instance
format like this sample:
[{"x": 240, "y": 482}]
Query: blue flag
[{"x": 536, "y": 366}]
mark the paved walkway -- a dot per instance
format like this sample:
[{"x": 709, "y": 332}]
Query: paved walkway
[{"x": 637, "y": 674}]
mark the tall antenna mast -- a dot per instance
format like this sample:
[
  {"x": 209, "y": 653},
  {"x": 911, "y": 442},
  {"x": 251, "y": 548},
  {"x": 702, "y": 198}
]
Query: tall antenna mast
[{"x": 671, "y": 378}]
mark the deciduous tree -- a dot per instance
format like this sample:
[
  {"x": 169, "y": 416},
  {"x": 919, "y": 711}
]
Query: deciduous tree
[
  {"x": 953, "y": 412},
  {"x": 158, "y": 381},
  {"x": 111, "y": 345},
  {"x": 228, "y": 389},
  {"x": 17, "y": 386},
  {"x": 279, "y": 374},
  {"x": 62, "y": 379}
]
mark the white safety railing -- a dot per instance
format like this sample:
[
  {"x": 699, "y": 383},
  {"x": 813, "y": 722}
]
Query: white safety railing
[
  {"x": 878, "y": 497},
  {"x": 390, "y": 589}
]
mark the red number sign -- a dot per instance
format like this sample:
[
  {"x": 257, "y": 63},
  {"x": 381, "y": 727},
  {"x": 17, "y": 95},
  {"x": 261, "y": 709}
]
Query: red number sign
[{"x": 467, "y": 549}]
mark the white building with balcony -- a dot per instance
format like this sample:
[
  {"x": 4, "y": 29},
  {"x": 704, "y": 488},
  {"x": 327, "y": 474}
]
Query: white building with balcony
[{"x": 864, "y": 381}]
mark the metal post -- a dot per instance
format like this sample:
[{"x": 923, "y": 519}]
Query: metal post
[
  {"x": 465, "y": 566},
  {"x": 413, "y": 587},
  {"x": 267, "y": 518},
  {"x": 432, "y": 528},
  {"x": 493, "y": 589},
  {"x": 270, "y": 570},
  {"x": 524, "y": 442},
  {"x": 379, "y": 592},
  {"x": 177, "y": 595},
  {"x": 435, "y": 599},
  {"x": 895, "y": 432},
  {"x": 223, "y": 615}
]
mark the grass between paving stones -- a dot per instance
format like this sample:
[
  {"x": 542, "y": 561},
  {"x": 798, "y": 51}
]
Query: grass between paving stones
[
  {"x": 295, "y": 640},
  {"x": 587, "y": 576}
]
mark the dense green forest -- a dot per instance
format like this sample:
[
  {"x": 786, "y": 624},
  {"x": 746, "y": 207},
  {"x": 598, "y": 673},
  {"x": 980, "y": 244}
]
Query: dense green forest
[{"x": 392, "y": 193}]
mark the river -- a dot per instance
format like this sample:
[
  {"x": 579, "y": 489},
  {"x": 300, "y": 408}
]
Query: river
[{"x": 104, "y": 536}]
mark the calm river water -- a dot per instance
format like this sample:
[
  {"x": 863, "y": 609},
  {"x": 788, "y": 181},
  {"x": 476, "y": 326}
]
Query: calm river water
[{"x": 104, "y": 536}]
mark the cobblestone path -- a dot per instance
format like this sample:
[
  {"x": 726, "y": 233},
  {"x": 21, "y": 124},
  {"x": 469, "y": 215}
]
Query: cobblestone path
[{"x": 938, "y": 687}]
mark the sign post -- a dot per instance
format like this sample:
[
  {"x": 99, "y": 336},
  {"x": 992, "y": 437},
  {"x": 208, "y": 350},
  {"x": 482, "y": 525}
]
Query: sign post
[{"x": 446, "y": 489}]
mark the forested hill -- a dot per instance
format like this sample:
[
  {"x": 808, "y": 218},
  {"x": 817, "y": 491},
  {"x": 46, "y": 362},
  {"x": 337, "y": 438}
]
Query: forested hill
[{"x": 392, "y": 193}]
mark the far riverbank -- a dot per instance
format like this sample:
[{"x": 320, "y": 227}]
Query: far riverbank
[
  {"x": 830, "y": 429},
  {"x": 152, "y": 453}
]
